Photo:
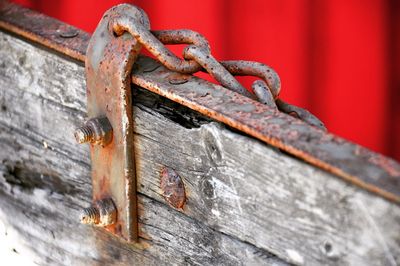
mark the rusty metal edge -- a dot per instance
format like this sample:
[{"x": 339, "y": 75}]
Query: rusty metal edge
[{"x": 358, "y": 165}]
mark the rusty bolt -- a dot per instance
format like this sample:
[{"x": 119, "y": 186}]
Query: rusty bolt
[
  {"x": 83, "y": 134},
  {"x": 178, "y": 79},
  {"x": 71, "y": 33},
  {"x": 90, "y": 215},
  {"x": 102, "y": 213},
  {"x": 96, "y": 131},
  {"x": 172, "y": 188}
]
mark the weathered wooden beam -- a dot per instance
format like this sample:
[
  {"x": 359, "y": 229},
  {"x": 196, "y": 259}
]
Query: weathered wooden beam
[
  {"x": 45, "y": 179},
  {"x": 353, "y": 163},
  {"x": 247, "y": 203}
]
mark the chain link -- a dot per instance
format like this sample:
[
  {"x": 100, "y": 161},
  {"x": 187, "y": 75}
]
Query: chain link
[{"x": 197, "y": 57}]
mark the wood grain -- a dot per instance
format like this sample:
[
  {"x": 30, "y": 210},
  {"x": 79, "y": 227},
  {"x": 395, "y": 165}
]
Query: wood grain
[{"x": 247, "y": 203}]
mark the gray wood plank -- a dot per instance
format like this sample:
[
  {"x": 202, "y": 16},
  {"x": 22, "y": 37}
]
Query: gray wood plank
[{"x": 246, "y": 200}]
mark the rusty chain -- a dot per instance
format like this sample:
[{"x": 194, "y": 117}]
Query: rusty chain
[{"x": 197, "y": 57}]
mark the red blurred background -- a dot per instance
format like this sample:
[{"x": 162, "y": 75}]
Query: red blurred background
[{"x": 340, "y": 59}]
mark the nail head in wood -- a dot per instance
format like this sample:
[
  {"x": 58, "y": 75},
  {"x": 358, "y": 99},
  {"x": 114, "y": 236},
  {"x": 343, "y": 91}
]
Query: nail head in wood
[{"x": 172, "y": 188}]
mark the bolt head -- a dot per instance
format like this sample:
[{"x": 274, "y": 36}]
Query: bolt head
[{"x": 172, "y": 187}]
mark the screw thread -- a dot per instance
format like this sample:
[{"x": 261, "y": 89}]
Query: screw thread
[
  {"x": 83, "y": 134},
  {"x": 90, "y": 215}
]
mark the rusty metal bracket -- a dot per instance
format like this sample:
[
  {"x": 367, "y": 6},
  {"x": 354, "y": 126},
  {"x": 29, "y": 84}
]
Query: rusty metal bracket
[{"x": 109, "y": 62}]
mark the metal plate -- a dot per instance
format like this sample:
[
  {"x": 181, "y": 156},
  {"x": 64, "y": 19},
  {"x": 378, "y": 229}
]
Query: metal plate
[{"x": 109, "y": 61}]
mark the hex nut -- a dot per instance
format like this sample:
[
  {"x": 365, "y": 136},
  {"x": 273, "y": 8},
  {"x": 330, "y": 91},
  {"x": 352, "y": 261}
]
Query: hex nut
[{"x": 96, "y": 131}]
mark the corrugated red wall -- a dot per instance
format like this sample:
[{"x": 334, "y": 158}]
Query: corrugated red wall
[{"x": 340, "y": 59}]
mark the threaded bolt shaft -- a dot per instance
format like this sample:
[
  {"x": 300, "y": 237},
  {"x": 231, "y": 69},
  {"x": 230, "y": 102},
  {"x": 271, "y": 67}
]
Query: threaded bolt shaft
[
  {"x": 101, "y": 213},
  {"x": 83, "y": 134},
  {"x": 90, "y": 215}
]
